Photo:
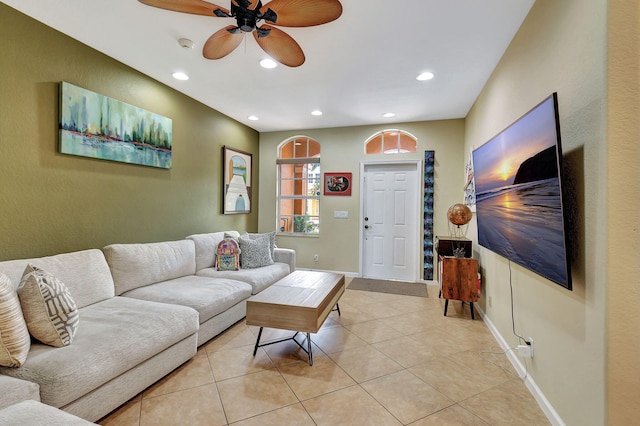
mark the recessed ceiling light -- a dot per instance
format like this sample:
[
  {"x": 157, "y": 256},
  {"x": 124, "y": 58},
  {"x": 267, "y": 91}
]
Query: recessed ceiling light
[
  {"x": 268, "y": 63},
  {"x": 388, "y": 115},
  {"x": 253, "y": 117},
  {"x": 178, "y": 75},
  {"x": 316, "y": 112},
  {"x": 425, "y": 76}
]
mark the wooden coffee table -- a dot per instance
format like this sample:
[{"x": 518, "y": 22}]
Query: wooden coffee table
[{"x": 300, "y": 302}]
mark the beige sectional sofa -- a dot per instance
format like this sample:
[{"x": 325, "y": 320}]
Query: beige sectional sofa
[{"x": 143, "y": 310}]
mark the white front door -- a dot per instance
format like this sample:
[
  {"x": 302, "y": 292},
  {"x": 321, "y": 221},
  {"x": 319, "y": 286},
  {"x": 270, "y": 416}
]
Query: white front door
[{"x": 390, "y": 225}]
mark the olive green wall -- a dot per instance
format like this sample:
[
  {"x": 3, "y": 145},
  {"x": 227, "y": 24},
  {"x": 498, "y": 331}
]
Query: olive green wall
[
  {"x": 54, "y": 203},
  {"x": 342, "y": 151},
  {"x": 561, "y": 47}
]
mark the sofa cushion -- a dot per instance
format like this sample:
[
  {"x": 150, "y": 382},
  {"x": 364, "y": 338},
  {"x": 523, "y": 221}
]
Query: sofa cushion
[
  {"x": 206, "y": 246},
  {"x": 16, "y": 390},
  {"x": 14, "y": 336},
  {"x": 259, "y": 278},
  {"x": 137, "y": 265},
  {"x": 48, "y": 308},
  {"x": 34, "y": 413},
  {"x": 255, "y": 251},
  {"x": 207, "y": 296},
  {"x": 116, "y": 335},
  {"x": 85, "y": 273}
]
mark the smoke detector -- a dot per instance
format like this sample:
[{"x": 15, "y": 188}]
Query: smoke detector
[{"x": 186, "y": 43}]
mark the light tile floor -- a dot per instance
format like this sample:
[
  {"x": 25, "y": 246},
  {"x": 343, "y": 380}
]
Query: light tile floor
[{"x": 387, "y": 360}]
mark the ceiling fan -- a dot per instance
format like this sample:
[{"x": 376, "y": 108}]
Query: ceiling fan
[{"x": 278, "y": 44}]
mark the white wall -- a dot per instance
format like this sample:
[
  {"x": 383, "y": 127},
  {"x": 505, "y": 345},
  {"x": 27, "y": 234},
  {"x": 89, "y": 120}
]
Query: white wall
[
  {"x": 561, "y": 47},
  {"x": 342, "y": 151}
]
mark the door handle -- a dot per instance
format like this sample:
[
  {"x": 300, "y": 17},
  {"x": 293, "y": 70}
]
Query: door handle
[{"x": 367, "y": 227}]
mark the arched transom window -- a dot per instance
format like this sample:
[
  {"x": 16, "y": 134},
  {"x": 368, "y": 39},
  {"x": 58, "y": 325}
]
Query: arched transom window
[
  {"x": 298, "y": 165},
  {"x": 391, "y": 141}
]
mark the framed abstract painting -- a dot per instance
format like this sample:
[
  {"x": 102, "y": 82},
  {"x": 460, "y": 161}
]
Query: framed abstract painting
[{"x": 97, "y": 126}]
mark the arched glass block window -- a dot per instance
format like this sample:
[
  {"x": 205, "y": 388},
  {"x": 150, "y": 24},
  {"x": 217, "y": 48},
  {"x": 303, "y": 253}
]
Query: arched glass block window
[
  {"x": 299, "y": 186},
  {"x": 391, "y": 141}
]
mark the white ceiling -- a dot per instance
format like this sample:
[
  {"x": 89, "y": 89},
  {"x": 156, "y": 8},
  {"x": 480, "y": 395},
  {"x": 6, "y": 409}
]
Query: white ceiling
[{"x": 357, "y": 68}]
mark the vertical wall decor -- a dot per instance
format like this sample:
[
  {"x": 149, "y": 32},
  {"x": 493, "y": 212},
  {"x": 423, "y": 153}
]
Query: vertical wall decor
[
  {"x": 469, "y": 186},
  {"x": 237, "y": 170},
  {"x": 96, "y": 126},
  {"x": 429, "y": 163}
]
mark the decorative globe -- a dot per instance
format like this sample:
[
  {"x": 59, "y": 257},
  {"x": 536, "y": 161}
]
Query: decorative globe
[{"x": 459, "y": 214}]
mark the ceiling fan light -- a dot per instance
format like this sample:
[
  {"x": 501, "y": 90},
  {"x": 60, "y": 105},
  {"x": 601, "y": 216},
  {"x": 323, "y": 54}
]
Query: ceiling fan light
[
  {"x": 427, "y": 75},
  {"x": 179, "y": 75},
  {"x": 268, "y": 63}
]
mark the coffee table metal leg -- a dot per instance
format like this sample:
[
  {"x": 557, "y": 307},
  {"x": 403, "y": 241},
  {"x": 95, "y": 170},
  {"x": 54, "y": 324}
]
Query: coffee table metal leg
[
  {"x": 337, "y": 309},
  {"x": 255, "y": 349},
  {"x": 307, "y": 349}
]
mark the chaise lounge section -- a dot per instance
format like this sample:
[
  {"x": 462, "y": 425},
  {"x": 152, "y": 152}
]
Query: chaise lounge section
[
  {"x": 121, "y": 346},
  {"x": 143, "y": 311}
]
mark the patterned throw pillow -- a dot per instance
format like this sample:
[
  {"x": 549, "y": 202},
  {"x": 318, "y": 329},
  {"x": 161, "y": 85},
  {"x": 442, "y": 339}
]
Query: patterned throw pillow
[
  {"x": 255, "y": 251},
  {"x": 14, "y": 336},
  {"x": 48, "y": 308},
  {"x": 228, "y": 255},
  {"x": 272, "y": 241}
]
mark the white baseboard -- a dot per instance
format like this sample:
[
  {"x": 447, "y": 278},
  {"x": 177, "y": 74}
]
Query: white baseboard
[
  {"x": 542, "y": 400},
  {"x": 357, "y": 275},
  {"x": 346, "y": 274}
]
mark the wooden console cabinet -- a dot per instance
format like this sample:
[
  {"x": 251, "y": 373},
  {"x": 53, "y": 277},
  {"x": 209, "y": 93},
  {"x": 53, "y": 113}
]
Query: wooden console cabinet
[
  {"x": 459, "y": 279},
  {"x": 445, "y": 245}
]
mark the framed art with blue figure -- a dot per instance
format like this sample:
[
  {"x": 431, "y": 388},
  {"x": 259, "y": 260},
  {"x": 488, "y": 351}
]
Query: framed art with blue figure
[{"x": 237, "y": 172}]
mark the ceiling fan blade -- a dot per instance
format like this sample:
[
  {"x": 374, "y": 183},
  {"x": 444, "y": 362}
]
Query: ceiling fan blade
[
  {"x": 221, "y": 43},
  {"x": 196, "y": 7},
  {"x": 280, "y": 46},
  {"x": 304, "y": 13}
]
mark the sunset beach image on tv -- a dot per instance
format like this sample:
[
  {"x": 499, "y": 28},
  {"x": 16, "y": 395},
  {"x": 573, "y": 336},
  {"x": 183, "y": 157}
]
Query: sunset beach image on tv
[{"x": 519, "y": 205}]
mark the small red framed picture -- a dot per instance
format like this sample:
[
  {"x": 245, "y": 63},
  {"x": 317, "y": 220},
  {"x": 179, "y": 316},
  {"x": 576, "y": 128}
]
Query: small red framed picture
[{"x": 337, "y": 183}]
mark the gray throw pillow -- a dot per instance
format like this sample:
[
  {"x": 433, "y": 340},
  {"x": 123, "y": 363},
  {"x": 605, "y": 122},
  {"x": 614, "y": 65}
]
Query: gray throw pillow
[
  {"x": 272, "y": 240},
  {"x": 255, "y": 252}
]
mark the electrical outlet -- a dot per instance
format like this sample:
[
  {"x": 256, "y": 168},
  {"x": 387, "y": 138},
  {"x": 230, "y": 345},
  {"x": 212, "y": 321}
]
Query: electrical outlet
[
  {"x": 316, "y": 257},
  {"x": 526, "y": 350}
]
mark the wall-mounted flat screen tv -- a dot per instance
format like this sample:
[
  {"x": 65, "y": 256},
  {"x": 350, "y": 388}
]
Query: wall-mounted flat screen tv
[{"x": 519, "y": 206}]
